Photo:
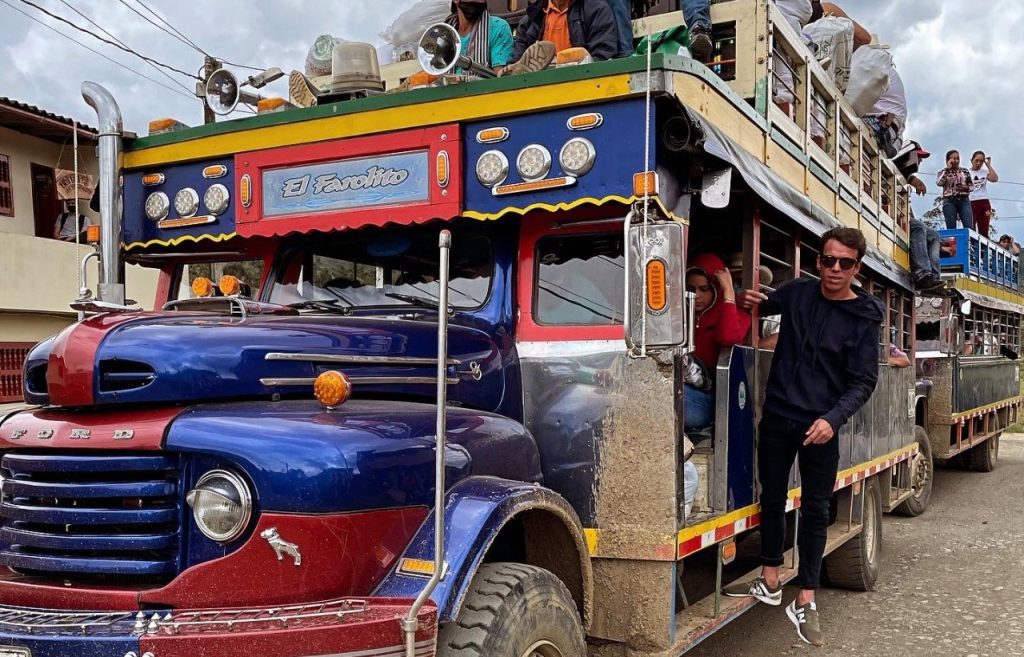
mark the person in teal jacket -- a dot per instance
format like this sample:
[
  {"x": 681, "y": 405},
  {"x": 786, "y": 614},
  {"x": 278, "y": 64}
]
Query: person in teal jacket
[{"x": 486, "y": 39}]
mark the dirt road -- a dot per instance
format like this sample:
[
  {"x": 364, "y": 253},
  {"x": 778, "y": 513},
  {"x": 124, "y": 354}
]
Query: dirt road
[{"x": 952, "y": 581}]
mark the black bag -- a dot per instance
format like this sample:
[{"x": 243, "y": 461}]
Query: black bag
[{"x": 695, "y": 374}]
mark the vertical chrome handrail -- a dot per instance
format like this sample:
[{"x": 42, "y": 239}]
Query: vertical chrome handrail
[{"x": 411, "y": 622}]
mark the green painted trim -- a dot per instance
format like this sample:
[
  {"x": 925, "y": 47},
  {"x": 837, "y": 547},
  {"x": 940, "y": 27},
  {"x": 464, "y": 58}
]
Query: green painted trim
[
  {"x": 787, "y": 145},
  {"x": 823, "y": 175},
  {"x": 849, "y": 198},
  {"x": 415, "y": 97}
]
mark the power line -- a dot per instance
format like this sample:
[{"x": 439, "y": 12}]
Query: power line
[
  {"x": 991, "y": 198},
  {"x": 106, "y": 41},
  {"x": 113, "y": 61},
  {"x": 178, "y": 33},
  {"x": 100, "y": 27}
]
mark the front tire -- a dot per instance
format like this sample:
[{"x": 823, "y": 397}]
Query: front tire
[
  {"x": 855, "y": 564},
  {"x": 982, "y": 458},
  {"x": 922, "y": 474},
  {"x": 514, "y": 610}
]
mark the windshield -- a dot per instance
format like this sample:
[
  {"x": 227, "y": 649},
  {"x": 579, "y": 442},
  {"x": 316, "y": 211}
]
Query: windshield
[{"x": 379, "y": 267}]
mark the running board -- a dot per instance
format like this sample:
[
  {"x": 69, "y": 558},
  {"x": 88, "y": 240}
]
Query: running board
[{"x": 698, "y": 622}]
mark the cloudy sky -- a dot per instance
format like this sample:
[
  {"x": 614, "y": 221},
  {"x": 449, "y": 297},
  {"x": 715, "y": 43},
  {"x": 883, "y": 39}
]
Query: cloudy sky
[{"x": 960, "y": 62}]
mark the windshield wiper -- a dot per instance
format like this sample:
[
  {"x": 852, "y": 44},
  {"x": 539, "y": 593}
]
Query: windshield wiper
[
  {"x": 422, "y": 302},
  {"x": 327, "y": 305}
]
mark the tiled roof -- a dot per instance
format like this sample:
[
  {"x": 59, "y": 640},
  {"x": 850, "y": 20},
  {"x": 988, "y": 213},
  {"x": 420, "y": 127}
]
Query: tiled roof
[{"x": 37, "y": 122}]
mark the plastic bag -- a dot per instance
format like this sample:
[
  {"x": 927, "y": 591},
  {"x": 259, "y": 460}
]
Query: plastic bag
[
  {"x": 405, "y": 32},
  {"x": 833, "y": 38},
  {"x": 318, "y": 59},
  {"x": 797, "y": 12},
  {"x": 674, "y": 41},
  {"x": 869, "y": 77},
  {"x": 690, "y": 481}
]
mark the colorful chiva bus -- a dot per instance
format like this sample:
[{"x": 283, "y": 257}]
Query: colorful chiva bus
[{"x": 175, "y": 488}]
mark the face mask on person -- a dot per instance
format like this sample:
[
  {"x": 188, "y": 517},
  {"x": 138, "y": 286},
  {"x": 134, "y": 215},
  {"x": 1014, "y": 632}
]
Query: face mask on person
[{"x": 472, "y": 10}]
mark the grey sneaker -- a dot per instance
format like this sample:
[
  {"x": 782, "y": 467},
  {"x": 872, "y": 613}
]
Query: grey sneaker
[
  {"x": 805, "y": 617},
  {"x": 755, "y": 588},
  {"x": 302, "y": 91},
  {"x": 535, "y": 58}
]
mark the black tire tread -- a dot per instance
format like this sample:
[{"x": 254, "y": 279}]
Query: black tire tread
[
  {"x": 913, "y": 507},
  {"x": 977, "y": 458},
  {"x": 493, "y": 584},
  {"x": 846, "y": 566}
]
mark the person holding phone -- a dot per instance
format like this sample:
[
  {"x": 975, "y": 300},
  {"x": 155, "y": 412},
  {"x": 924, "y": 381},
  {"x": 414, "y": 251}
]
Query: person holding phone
[
  {"x": 982, "y": 173},
  {"x": 955, "y": 182}
]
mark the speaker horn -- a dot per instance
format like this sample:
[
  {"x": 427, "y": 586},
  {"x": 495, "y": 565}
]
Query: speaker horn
[{"x": 440, "y": 52}]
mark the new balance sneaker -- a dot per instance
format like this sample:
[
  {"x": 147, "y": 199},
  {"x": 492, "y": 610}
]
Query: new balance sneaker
[
  {"x": 755, "y": 588},
  {"x": 701, "y": 46},
  {"x": 805, "y": 617},
  {"x": 302, "y": 91},
  {"x": 535, "y": 58}
]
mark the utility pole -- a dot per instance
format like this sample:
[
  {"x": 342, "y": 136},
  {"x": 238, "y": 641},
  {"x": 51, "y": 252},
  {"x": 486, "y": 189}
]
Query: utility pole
[{"x": 209, "y": 67}]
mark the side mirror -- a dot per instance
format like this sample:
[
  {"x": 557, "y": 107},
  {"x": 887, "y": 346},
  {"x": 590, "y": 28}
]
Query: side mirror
[
  {"x": 965, "y": 307},
  {"x": 655, "y": 312}
]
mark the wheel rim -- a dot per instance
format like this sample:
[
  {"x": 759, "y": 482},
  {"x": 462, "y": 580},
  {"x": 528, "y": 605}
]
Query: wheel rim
[
  {"x": 543, "y": 649},
  {"x": 921, "y": 474},
  {"x": 870, "y": 529}
]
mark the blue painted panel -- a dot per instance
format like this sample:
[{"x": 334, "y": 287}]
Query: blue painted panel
[
  {"x": 114, "y": 641},
  {"x": 618, "y": 142},
  {"x": 475, "y": 512},
  {"x": 963, "y": 250},
  {"x": 741, "y": 432},
  {"x": 137, "y": 228},
  {"x": 347, "y": 184}
]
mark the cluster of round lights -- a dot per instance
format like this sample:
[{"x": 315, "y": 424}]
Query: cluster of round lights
[
  {"x": 186, "y": 202},
  {"x": 533, "y": 163}
]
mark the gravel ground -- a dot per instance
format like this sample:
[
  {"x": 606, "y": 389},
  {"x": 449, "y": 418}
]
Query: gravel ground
[{"x": 951, "y": 584}]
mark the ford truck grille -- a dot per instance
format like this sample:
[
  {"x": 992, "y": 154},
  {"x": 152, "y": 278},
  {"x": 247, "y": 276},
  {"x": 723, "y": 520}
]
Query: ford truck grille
[{"x": 93, "y": 516}]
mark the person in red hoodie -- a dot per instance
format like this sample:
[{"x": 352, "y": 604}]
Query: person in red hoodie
[{"x": 719, "y": 324}]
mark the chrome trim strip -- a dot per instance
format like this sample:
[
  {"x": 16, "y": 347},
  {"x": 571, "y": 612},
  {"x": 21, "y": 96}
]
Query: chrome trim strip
[
  {"x": 356, "y": 360},
  {"x": 361, "y": 380},
  {"x": 563, "y": 348}
]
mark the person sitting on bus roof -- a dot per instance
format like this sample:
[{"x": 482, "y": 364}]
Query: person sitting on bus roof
[
  {"x": 486, "y": 39},
  {"x": 551, "y": 26},
  {"x": 719, "y": 324}
]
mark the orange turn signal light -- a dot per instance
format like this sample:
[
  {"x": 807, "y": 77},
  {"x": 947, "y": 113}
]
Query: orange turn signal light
[
  {"x": 245, "y": 190},
  {"x": 645, "y": 183},
  {"x": 151, "y": 179},
  {"x": 657, "y": 285},
  {"x": 442, "y": 169},
  {"x": 728, "y": 552},
  {"x": 332, "y": 388},
  {"x": 492, "y": 135},
  {"x": 585, "y": 121},
  {"x": 229, "y": 285},
  {"x": 215, "y": 171},
  {"x": 202, "y": 287},
  {"x": 92, "y": 234}
]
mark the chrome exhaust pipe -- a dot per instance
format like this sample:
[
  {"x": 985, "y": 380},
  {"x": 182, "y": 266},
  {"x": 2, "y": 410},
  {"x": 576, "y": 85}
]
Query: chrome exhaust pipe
[
  {"x": 111, "y": 283},
  {"x": 411, "y": 623}
]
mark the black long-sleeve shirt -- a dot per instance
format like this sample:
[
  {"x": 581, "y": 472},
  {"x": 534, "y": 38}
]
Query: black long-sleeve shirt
[{"x": 826, "y": 360}]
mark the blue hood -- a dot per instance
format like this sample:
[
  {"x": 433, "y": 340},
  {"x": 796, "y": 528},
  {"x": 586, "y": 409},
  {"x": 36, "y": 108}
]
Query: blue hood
[{"x": 184, "y": 358}]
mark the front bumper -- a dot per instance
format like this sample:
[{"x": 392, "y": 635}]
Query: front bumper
[{"x": 343, "y": 627}]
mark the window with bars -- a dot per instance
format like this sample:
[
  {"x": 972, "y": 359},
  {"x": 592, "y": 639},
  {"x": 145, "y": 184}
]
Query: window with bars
[
  {"x": 6, "y": 187},
  {"x": 987, "y": 331}
]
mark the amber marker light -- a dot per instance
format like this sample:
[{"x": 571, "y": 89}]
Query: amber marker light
[
  {"x": 202, "y": 287},
  {"x": 728, "y": 552},
  {"x": 271, "y": 105},
  {"x": 657, "y": 290},
  {"x": 585, "y": 121},
  {"x": 492, "y": 135},
  {"x": 151, "y": 179},
  {"x": 332, "y": 388},
  {"x": 245, "y": 190},
  {"x": 229, "y": 285},
  {"x": 92, "y": 234},
  {"x": 645, "y": 183},
  {"x": 442, "y": 168},
  {"x": 215, "y": 171}
]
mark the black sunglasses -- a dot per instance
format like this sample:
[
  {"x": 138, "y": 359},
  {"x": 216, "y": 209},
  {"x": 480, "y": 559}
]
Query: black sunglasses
[{"x": 846, "y": 264}]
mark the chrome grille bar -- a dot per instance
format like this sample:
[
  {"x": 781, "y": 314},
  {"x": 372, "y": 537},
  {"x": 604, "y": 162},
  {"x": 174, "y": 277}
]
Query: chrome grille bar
[{"x": 243, "y": 619}]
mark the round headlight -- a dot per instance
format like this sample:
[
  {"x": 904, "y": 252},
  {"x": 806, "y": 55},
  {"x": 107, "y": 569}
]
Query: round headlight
[
  {"x": 492, "y": 168},
  {"x": 533, "y": 162},
  {"x": 936, "y": 302},
  {"x": 157, "y": 205},
  {"x": 216, "y": 199},
  {"x": 577, "y": 156},
  {"x": 186, "y": 202},
  {"x": 221, "y": 505}
]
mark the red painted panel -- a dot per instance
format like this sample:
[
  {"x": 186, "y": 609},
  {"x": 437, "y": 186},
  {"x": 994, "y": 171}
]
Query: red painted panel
[
  {"x": 443, "y": 203},
  {"x": 528, "y": 330},
  {"x": 345, "y": 554},
  {"x": 21, "y": 591},
  {"x": 45, "y": 428},
  {"x": 376, "y": 629}
]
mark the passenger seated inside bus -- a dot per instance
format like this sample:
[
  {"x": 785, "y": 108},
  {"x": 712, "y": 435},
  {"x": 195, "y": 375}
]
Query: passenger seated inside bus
[{"x": 719, "y": 324}]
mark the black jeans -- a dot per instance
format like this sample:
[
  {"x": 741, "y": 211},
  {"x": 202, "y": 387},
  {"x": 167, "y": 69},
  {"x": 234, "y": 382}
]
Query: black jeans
[{"x": 780, "y": 442}]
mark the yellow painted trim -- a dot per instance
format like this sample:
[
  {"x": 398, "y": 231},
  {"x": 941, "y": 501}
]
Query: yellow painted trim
[
  {"x": 548, "y": 207},
  {"x": 1009, "y": 401},
  {"x": 591, "y": 536},
  {"x": 987, "y": 289},
  {"x": 180, "y": 240},
  {"x": 502, "y": 103},
  {"x": 896, "y": 453}
]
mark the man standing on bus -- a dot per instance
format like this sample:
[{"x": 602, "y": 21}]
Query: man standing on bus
[{"x": 824, "y": 368}]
